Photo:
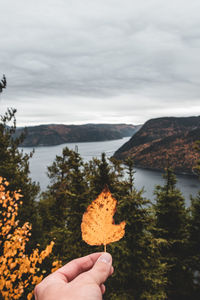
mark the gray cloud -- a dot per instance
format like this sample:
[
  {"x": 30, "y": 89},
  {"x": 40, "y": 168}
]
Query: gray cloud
[{"x": 100, "y": 61}]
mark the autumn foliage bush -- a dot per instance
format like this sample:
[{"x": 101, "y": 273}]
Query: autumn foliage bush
[{"x": 19, "y": 271}]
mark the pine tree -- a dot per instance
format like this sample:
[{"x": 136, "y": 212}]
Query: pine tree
[
  {"x": 63, "y": 204},
  {"x": 194, "y": 240},
  {"x": 100, "y": 174},
  {"x": 139, "y": 273},
  {"x": 129, "y": 163},
  {"x": 194, "y": 243},
  {"x": 172, "y": 225},
  {"x": 14, "y": 165}
]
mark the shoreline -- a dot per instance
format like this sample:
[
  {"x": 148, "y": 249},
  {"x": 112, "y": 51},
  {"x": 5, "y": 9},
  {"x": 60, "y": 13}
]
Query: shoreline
[
  {"x": 73, "y": 142},
  {"x": 184, "y": 173}
]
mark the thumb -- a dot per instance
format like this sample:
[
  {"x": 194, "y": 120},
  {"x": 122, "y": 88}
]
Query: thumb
[{"x": 102, "y": 268}]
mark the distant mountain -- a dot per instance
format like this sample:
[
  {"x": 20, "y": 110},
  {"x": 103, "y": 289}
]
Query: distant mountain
[
  {"x": 164, "y": 139},
  {"x": 52, "y": 134}
]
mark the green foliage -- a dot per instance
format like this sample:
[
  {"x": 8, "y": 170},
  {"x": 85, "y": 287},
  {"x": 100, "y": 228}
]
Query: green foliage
[
  {"x": 99, "y": 172},
  {"x": 170, "y": 210},
  {"x": 14, "y": 166},
  {"x": 172, "y": 225},
  {"x": 129, "y": 163},
  {"x": 63, "y": 204},
  {"x": 139, "y": 273},
  {"x": 194, "y": 243}
]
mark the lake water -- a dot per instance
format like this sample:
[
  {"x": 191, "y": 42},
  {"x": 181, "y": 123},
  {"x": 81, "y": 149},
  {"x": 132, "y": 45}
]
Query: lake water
[{"x": 44, "y": 156}]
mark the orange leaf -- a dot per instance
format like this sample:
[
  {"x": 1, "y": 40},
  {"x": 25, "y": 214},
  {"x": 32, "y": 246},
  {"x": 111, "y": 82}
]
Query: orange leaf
[{"x": 97, "y": 223}]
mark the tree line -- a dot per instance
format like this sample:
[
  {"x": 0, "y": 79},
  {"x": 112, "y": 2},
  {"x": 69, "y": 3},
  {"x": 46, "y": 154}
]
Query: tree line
[{"x": 159, "y": 256}]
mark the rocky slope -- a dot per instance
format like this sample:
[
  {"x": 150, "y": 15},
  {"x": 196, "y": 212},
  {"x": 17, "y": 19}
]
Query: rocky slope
[
  {"x": 48, "y": 135},
  {"x": 164, "y": 140}
]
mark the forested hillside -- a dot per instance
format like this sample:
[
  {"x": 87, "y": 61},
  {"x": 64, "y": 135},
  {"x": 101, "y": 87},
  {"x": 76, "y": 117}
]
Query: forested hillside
[
  {"x": 162, "y": 141},
  {"x": 52, "y": 134}
]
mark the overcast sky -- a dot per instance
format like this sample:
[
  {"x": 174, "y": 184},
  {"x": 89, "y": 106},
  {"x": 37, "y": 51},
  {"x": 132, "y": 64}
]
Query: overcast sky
[{"x": 100, "y": 61}]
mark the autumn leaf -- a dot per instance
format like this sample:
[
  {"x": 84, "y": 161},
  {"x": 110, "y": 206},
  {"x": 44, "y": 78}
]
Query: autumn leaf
[
  {"x": 18, "y": 270},
  {"x": 97, "y": 225}
]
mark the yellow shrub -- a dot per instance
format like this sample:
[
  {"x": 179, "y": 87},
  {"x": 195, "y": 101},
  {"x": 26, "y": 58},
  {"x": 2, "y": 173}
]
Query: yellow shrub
[{"x": 17, "y": 269}]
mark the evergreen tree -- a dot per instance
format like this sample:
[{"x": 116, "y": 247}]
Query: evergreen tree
[
  {"x": 139, "y": 273},
  {"x": 129, "y": 163},
  {"x": 172, "y": 225},
  {"x": 63, "y": 204},
  {"x": 14, "y": 166},
  {"x": 194, "y": 242},
  {"x": 100, "y": 174}
]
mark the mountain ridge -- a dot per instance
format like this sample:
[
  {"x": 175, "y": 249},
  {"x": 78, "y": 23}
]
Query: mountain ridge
[
  {"x": 56, "y": 134},
  {"x": 163, "y": 141}
]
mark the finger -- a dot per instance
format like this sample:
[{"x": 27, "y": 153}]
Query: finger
[
  {"x": 77, "y": 266},
  {"x": 101, "y": 269},
  {"x": 103, "y": 288}
]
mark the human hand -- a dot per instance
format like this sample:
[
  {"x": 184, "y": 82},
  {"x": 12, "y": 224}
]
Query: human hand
[{"x": 82, "y": 278}]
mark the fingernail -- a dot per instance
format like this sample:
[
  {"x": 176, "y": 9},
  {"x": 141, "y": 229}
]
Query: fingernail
[{"x": 106, "y": 258}]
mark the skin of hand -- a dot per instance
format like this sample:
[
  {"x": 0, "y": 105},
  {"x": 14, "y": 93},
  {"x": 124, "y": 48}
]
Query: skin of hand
[{"x": 82, "y": 278}]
